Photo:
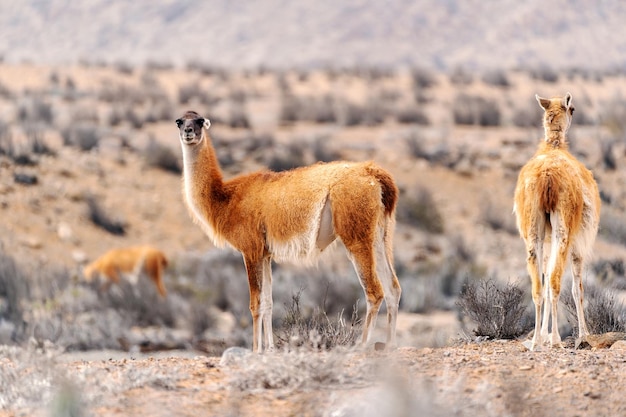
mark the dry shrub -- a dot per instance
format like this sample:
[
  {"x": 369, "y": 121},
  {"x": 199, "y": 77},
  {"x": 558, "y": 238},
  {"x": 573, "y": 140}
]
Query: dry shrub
[
  {"x": 100, "y": 218},
  {"x": 307, "y": 109},
  {"x": 35, "y": 109},
  {"x": 14, "y": 290},
  {"x": 287, "y": 157},
  {"x": 475, "y": 110},
  {"x": 140, "y": 304},
  {"x": 84, "y": 137},
  {"x": 604, "y": 312},
  {"x": 412, "y": 115},
  {"x": 496, "y": 78},
  {"x": 163, "y": 157},
  {"x": 298, "y": 370},
  {"x": 321, "y": 151},
  {"x": 498, "y": 310},
  {"x": 423, "y": 78},
  {"x": 317, "y": 331},
  {"x": 419, "y": 209},
  {"x": 498, "y": 219},
  {"x": 612, "y": 226},
  {"x": 544, "y": 73},
  {"x": 459, "y": 77}
]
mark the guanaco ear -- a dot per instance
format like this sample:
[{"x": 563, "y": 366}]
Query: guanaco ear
[
  {"x": 543, "y": 102},
  {"x": 207, "y": 123},
  {"x": 567, "y": 100}
]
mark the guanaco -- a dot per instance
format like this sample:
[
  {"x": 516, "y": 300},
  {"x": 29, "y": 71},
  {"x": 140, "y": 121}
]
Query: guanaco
[
  {"x": 557, "y": 198},
  {"x": 130, "y": 260},
  {"x": 294, "y": 216}
]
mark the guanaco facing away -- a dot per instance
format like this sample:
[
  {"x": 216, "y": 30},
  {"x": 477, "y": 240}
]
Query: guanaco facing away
[
  {"x": 132, "y": 261},
  {"x": 293, "y": 216},
  {"x": 557, "y": 198}
]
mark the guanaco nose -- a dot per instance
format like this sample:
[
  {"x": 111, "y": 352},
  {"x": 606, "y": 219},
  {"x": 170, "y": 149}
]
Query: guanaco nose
[{"x": 188, "y": 129}]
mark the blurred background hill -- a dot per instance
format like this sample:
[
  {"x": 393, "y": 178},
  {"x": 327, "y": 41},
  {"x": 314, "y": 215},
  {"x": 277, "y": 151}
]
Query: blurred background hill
[{"x": 436, "y": 34}]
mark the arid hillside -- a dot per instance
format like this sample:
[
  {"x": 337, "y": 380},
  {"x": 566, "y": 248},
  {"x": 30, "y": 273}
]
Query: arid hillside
[{"x": 435, "y": 34}]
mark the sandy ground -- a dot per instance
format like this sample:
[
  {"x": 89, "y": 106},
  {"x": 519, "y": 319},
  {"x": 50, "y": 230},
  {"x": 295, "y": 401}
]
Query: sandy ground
[{"x": 500, "y": 378}]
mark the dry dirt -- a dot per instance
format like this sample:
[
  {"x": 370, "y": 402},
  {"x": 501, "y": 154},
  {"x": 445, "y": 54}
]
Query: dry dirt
[{"x": 500, "y": 378}]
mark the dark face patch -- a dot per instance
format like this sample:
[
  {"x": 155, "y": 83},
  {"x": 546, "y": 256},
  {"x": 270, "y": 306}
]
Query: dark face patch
[{"x": 190, "y": 128}]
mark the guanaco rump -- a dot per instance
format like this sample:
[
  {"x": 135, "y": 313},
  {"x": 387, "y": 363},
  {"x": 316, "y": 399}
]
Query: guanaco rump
[
  {"x": 132, "y": 261},
  {"x": 557, "y": 198},
  {"x": 293, "y": 216}
]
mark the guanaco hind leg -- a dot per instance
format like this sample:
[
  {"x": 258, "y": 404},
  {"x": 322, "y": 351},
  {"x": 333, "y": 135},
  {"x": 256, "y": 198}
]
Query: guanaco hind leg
[{"x": 578, "y": 293}]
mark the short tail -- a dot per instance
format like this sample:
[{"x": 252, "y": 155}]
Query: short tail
[
  {"x": 389, "y": 189},
  {"x": 548, "y": 187}
]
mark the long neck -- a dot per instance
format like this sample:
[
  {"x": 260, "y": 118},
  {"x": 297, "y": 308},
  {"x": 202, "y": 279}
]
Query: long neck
[
  {"x": 203, "y": 180},
  {"x": 555, "y": 139},
  {"x": 202, "y": 174}
]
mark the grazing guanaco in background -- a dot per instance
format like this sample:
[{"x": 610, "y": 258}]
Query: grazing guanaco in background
[
  {"x": 557, "y": 198},
  {"x": 293, "y": 216},
  {"x": 132, "y": 261}
]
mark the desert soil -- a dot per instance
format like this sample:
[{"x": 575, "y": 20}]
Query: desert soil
[{"x": 494, "y": 378}]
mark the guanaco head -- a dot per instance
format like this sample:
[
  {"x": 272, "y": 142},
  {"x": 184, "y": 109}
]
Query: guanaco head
[
  {"x": 190, "y": 127},
  {"x": 558, "y": 113}
]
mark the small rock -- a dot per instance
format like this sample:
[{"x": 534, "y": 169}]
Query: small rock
[
  {"x": 619, "y": 345},
  {"x": 65, "y": 232},
  {"x": 32, "y": 242},
  {"x": 79, "y": 256},
  {"x": 600, "y": 341},
  {"x": 233, "y": 355}
]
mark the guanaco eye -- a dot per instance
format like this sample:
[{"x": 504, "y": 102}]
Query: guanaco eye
[
  {"x": 179, "y": 122},
  {"x": 571, "y": 110},
  {"x": 199, "y": 121}
]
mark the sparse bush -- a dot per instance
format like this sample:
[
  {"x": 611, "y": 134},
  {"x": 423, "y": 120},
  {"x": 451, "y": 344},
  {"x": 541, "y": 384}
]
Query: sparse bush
[
  {"x": 238, "y": 118},
  {"x": 496, "y": 78},
  {"x": 527, "y": 117},
  {"x": 460, "y": 77},
  {"x": 14, "y": 291},
  {"x": 297, "y": 371},
  {"x": 612, "y": 225},
  {"x": 317, "y": 331},
  {"x": 36, "y": 110},
  {"x": 36, "y": 143},
  {"x": 603, "y": 311},
  {"x": 423, "y": 78},
  {"x": 134, "y": 119},
  {"x": 613, "y": 117},
  {"x": 611, "y": 272},
  {"x": 497, "y": 310},
  {"x": 420, "y": 210},
  {"x": 160, "y": 156},
  {"x": 545, "y": 74},
  {"x": 84, "y": 137},
  {"x": 286, "y": 158},
  {"x": 140, "y": 304},
  {"x": 475, "y": 110},
  {"x": 498, "y": 219},
  {"x": 100, "y": 218},
  {"x": 609, "y": 162},
  {"x": 307, "y": 109},
  {"x": 5, "y": 92},
  {"x": 192, "y": 92},
  {"x": 412, "y": 115},
  {"x": 322, "y": 153}
]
